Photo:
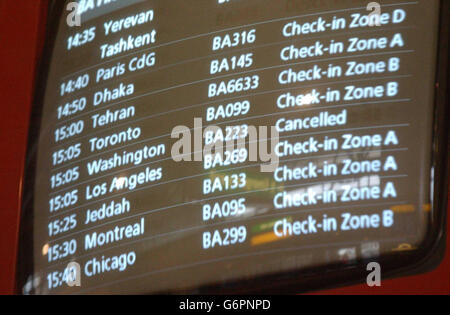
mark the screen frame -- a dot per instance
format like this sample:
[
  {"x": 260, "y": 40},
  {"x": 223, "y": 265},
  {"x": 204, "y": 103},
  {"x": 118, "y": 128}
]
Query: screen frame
[{"x": 422, "y": 260}]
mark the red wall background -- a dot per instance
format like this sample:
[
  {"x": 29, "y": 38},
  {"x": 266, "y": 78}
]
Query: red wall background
[{"x": 22, "y": 25}]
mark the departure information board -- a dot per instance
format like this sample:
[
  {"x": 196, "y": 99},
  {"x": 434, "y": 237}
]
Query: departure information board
[{"x": 127, "y": 196}]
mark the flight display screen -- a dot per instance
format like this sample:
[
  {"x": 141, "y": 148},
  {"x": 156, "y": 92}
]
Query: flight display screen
[{"x": 190, "y": 143}]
